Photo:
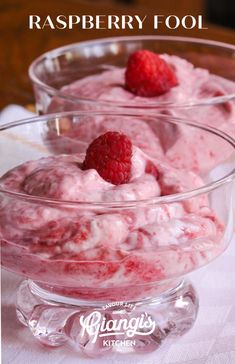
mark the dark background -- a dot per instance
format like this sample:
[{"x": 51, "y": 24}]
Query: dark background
[{"x": 19, "y": 45}]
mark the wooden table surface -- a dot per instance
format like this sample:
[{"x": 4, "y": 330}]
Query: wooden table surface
[{"x": 19, "y": 46}]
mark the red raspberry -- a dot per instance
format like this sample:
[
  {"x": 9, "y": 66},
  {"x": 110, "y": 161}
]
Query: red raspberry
[
  {"x": 110, "y": 154},
  {"x": 149, "y": 75}
]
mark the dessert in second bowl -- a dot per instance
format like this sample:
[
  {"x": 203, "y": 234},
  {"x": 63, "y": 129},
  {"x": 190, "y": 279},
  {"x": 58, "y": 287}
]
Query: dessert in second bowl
[{"x": 150, "y": 78}]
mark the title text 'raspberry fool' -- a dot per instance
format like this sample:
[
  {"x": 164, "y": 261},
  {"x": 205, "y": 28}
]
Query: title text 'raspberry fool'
[{"x": 108, "y": 22}]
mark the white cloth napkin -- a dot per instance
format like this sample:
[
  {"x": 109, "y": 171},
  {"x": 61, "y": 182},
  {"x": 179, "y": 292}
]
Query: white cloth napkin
[
  {"x": 210, "y": 341},
  {"x": 13, "y": 113}
]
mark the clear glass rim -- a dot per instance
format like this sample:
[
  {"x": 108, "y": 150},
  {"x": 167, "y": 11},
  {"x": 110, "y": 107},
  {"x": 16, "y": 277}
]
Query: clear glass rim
[
  {"x": 70, "y": 47},
  {"x": 132, "y": 203}
]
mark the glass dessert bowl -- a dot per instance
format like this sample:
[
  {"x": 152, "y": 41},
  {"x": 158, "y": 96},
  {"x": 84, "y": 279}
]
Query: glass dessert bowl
[
  {"x": 105, "y": 262},
  {"x": 53, "y": 71},
  {"x": 91, "y": 76}
]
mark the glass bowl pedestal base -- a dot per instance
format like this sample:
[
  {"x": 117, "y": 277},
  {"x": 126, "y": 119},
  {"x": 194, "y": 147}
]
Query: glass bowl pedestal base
[{"x": 96, "y": 328}]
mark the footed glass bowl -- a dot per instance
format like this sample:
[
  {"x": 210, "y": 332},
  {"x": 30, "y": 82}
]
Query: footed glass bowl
[
  {"x": 105, "y": 265},
  {"x": 56, "y": 69}
]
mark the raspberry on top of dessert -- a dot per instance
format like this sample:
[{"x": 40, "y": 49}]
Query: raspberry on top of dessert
[{"x": 148, "y": 75}]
